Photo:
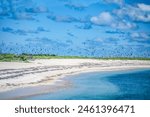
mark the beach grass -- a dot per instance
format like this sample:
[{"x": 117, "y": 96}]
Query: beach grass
[
  {"x": 12, "y": 57},
  {"x": 26, "y": 57}
]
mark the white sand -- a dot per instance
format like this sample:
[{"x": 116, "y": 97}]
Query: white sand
[{"x": 45, "y": 72}]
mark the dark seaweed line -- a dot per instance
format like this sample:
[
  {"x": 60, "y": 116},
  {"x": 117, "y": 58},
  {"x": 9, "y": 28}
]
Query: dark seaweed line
[
  {"x": 9, "y": 71},
  {"x": 41, "y": 69},
  {"x": 22, "y": 74},
  {"x": 23, "y": 70}
]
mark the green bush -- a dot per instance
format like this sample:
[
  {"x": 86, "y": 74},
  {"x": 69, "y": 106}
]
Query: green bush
[{"x": 23, "y": 57}]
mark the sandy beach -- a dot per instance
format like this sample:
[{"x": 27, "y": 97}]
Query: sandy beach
[{"x": 42, "y": 72}]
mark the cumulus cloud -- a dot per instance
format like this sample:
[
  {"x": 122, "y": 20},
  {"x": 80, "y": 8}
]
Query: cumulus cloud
[
  {"x": 22, "y": 31},
  {"x": 124, "y": 24},
  {"x": 134, "y": 13},
  {"x": 85, "y": 26},
  {"x": 144, "y": 7},
  {"x": 20, "y": 9},
  {"x": 22, "y": 16},
  {"x": 104, "y": 18},
  {"x": 67, "y": 19},
  {"x": 78, "y": 7},
  {"x": 39, "y": 9},
  {"x": 107, "y": 19},
  {"x": 140, "y": 35},
  {"x": 120, "y": 2}
]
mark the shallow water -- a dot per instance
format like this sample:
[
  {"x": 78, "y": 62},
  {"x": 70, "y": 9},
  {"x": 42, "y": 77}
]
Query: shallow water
[{"x": 122, "y": 85}]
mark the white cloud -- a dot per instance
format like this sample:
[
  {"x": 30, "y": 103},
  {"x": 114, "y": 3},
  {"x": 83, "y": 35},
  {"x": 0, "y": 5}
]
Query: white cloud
[
  {"x": 140, "y": 35},
  {"x": 144, "y": 7},
  {"x": 134, "y": 13},
  {"x": 39, "y": 9},
  {"x": 123, "y": 25},
  {"x": 120, "y": 2},
  {"x": 104, "y": 18},
  {"x": 20, "y": 9},
  {"x": 22, "y": 16},
  {"x": 107, "y": 19},
  {"x": 78, "y": 7}
]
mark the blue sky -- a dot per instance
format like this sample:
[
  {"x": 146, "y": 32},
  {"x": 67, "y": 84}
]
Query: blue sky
[{"x": 101, "y": 28}]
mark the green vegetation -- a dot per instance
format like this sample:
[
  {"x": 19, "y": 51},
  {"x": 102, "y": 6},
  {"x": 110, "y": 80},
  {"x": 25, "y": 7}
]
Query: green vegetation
[
  {"x": 56, "y": 57},
  {"x": 26, "y": 57},
  {"x": 12, "y": 57}
]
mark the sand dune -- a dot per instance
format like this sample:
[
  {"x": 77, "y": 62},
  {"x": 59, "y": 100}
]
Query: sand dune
[{"x": 45, "y": 72}]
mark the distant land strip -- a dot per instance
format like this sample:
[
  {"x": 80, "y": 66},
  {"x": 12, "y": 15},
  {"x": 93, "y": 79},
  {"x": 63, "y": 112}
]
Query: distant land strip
[{"x": 25, "y": 57}]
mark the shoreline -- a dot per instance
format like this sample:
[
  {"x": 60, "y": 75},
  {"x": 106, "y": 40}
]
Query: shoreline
[
  {"x": 37, "y": 73},
  {"x": 31, "y": 91}
]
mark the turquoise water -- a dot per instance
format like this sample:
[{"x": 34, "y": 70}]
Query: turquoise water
[{"x": 122, "y": 85}]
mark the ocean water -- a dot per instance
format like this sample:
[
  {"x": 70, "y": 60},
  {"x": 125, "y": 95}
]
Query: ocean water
[{"x": 121, "y": 85}]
